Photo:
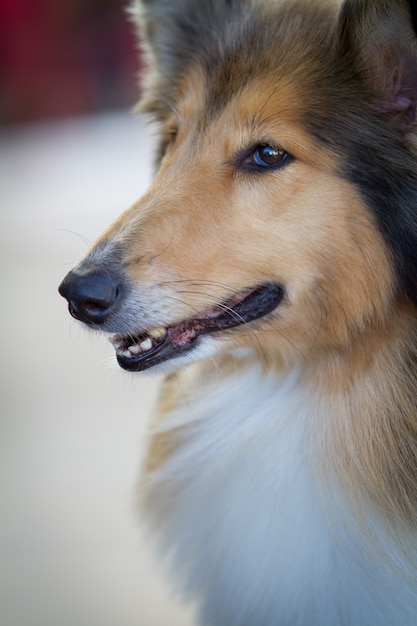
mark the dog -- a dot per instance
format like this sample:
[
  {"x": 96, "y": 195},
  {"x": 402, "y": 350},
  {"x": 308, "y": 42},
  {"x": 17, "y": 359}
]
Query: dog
[{"x": 270, "y": 272}]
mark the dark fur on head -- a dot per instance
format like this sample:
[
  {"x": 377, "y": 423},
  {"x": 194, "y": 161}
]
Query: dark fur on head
[
  {"x": 271, "y": 272},
  {"x": 367, "y": 62},
  {"x": 384, "y": 61}
]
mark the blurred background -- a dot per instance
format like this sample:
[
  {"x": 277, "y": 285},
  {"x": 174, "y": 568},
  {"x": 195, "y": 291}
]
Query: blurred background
[
  {"x": 65, "y": 57},
  {"x": 73, "y": 425}
]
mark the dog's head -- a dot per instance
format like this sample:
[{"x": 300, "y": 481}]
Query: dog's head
[{"x": 283, "y": 211}]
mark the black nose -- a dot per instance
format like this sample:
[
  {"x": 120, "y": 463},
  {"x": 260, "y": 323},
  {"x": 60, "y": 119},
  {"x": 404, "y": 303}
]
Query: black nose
[{"x": 91, "y": 295}]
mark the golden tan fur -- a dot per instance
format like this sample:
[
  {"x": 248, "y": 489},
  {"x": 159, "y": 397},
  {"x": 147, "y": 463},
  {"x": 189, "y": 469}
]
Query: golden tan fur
[
  {"x": 337, "y": 228},
  {"x": 203, "y": 231}
]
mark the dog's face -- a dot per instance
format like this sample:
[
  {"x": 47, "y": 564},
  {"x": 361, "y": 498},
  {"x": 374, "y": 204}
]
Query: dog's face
[{"x": 254, "y": 231}]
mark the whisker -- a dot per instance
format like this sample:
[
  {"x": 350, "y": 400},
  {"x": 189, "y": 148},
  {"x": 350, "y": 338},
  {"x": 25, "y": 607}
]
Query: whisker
[
  {"x": 217, "y": 305},
  {"x": 252, "y": 332},
  {"x": 74, "y": 232}
]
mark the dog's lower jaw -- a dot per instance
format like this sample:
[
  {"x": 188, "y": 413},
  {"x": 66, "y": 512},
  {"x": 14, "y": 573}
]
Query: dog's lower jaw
[
  {"x": 147, "y": 349},
  {"x": 242, "y": 488}
]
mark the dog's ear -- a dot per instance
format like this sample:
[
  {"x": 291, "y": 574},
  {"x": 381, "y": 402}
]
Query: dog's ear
[
  {"x": 380, "y": 37},
  {"x": 172, "y": 35},
  {"x": 162, "y": 47}
]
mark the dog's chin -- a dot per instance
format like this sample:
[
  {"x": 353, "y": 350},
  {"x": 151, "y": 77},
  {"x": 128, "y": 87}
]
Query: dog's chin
[{"x": 147, "y": 349}]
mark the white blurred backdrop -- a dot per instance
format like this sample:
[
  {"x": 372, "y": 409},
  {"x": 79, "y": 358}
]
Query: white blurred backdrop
[{"x": 73, "y": 424}]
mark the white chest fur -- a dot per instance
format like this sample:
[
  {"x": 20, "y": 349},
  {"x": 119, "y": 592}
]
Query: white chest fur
[{"x": 239, "y": 512}]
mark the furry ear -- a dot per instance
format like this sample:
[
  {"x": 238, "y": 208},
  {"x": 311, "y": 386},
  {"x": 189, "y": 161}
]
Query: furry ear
[
  {"x": 165, "y": 48},
  {"x": 173, "y": 33},
  {"x": 379, "y": 37}
]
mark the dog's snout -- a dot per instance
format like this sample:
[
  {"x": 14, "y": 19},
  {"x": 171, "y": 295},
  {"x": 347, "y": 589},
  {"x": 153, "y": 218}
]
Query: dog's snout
[{"x": 91, "y": 295}]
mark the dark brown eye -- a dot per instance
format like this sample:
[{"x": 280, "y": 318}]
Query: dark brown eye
[
  {"x": 264, "y": 157},
  {"x": 268, "y": 156},
  {"x": 167, "y": 139},
  {"x": 171, "y": 135}
]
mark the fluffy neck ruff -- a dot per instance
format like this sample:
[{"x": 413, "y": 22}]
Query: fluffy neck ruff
[{"x": 292, "y": 494}]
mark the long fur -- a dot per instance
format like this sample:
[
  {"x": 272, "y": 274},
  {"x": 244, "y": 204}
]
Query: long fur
[{"x": 281, "y": 477}]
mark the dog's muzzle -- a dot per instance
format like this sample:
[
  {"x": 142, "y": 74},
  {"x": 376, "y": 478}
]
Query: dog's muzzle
[{"x": 97, "y": 297}]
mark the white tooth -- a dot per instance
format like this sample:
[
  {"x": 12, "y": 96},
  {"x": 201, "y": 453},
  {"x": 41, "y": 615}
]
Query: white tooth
[
  {"x": 147, "y": 344},
  {"x": 134, "y": 349},
  {"x": 157, "y": 332},
  {"x": 125, "y": 353},
  {"x": 115, "y": 343}
]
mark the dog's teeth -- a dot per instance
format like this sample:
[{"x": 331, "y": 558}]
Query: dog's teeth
[
  {"x": 134, "y": 349},
  {"x": 157, "y": 332},
  {"x": 146, "y": 345},
  {"x": 137, "y": 348},
  {"x": 115, "y": 343}
]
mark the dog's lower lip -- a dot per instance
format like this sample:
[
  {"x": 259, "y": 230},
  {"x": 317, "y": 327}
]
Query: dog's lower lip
[{"x": 157, "y": 345}]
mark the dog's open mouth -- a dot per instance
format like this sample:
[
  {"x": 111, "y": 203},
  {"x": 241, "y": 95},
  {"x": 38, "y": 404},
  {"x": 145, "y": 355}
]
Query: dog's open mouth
[{"x": 151, "y": 347}]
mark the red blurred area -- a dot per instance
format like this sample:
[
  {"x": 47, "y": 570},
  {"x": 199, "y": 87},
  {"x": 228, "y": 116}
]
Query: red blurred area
[{"x": 65, "y": 57}]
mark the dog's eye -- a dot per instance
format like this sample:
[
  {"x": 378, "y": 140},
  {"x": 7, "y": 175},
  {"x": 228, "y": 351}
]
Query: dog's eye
[
  {"x": 167, "y": 139},
  {"x": 265, "y": 156},
  {"x": 172, "y": 135}
]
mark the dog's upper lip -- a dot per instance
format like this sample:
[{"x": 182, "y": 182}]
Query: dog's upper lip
[{"x": 147, "y": 348}]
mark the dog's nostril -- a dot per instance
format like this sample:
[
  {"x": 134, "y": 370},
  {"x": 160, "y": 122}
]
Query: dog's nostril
[
  {"x": 96, "y": 306},
  {"x": 92, "y": 295}
]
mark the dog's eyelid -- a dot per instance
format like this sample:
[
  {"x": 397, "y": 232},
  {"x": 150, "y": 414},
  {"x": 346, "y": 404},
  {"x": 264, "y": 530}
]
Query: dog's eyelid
[
  {"x": 172, "y": 133},
  {"x": 168, "y": 138},
  {"x": 170, "y": 128},
  {"x": 261, "y": 157}
]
